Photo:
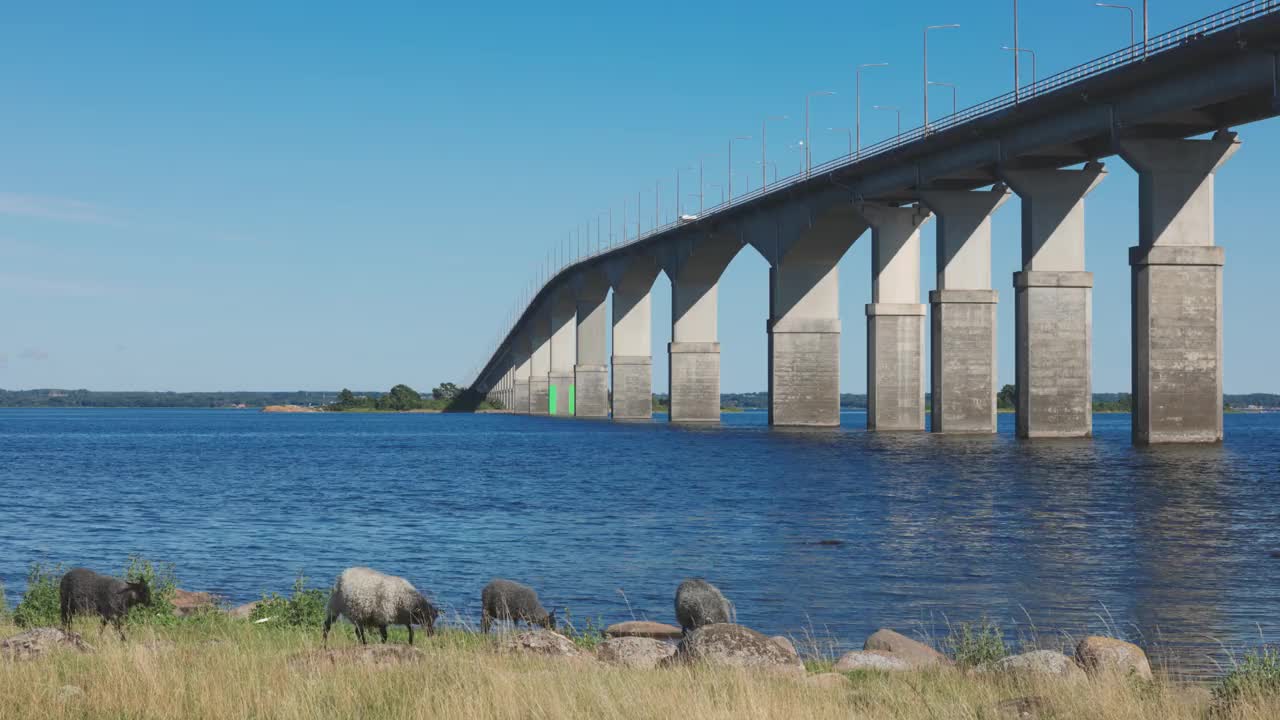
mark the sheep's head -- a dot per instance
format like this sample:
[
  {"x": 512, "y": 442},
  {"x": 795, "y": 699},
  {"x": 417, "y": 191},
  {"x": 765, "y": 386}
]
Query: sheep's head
[
  {"x": 424, "y": 613},
  {"x": 548, "y": 620},
  {"x": 137, "y": 593}
]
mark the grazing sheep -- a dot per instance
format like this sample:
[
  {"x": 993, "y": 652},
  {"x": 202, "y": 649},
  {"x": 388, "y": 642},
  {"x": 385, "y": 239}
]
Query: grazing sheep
[
  {"x": 509, "y": 600},
  {"x": 699, "y": 603},
  {"x": 372, "y": 599},
  {"x": 83, "y": 591}
]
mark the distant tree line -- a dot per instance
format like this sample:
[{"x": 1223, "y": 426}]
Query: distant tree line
[
  {"x": 445, "y": 397},
  {"x": 53, "y": 397}
]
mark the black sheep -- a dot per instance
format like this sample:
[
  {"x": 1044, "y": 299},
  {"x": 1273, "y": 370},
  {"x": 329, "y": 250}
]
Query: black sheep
[{"x": 83, "y": 591}]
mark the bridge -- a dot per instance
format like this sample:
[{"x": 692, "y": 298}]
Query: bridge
[{"x": 1166, "y": 106}]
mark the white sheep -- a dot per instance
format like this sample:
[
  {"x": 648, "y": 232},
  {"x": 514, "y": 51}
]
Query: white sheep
[{"x": 371, "y": 599}]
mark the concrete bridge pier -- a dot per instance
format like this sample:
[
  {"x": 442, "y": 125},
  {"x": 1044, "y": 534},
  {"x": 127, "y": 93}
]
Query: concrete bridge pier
[
  {"x": 564, "y": 354},
  {"x": 895, "y": 318},
  {"x": 694, "y": 352},
  {"x": 591, "y": 371},
  {"x": 1053, "y": 296},
  {"x": 1177, "y": 290},
  {"x": 804, "y": 313},
  {"x": 540, "y": 361},
  {"x": 520, "y": 378},
  {"x": 963, "y": 318},
  {"x": 632, "y": 279}
]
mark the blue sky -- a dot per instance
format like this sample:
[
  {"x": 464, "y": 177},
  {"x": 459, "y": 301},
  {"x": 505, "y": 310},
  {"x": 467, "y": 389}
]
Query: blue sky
[{"x": 318, "y": 195}]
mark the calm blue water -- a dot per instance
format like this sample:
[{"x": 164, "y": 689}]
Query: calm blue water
[{"x": 1172, "y": 544}]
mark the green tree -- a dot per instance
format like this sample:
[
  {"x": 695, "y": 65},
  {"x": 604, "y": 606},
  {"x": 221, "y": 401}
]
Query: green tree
[
  {"x": 445, "y": 391},
  {"x": 346, "y": 398},
  {"x": 1007, "y": 398},
  {"x": 402, "y": 397}
]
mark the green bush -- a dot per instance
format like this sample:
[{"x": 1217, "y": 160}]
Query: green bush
[
  {"x": 974, "y": 644},
  {"x": 305, "y": 608},
  {"x": 162, "y": 583},
  {"x": 4, "y": 605},
  {"x": 1258, "y": 675},
  {"x": 587, "y": 638},
  {"x": 39, "y": 605}
]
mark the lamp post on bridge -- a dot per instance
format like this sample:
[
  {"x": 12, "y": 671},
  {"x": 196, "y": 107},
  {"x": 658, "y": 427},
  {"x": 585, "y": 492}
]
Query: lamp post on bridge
[
  {"x": 953, "y": 92},
  {"x": 895, "y": 110},
  {"x": 1129, "y": 10},
  {"x": 926, "y": 68},
  {"x": 721, "y": 188},
  {"x": 772, "y": 164},
  {"x": 808, "y": 156},
  {"x": 730, "y": 181},
  {"x": 1032, "y": 53},
  {"x": 858, "y": 104},
  {"x": 764, "y": 148}
]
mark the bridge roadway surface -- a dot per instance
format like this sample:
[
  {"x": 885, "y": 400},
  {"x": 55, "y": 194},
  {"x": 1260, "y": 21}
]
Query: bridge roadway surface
[{"x": 1146, "y": 105}]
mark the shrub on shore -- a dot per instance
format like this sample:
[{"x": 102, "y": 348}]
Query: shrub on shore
[
  {"x": 974, "y": 644},
  {"x": 304, "y": 608},
  {"x": 39, "y": 604},
  {"x": 1257, "y": 677}
]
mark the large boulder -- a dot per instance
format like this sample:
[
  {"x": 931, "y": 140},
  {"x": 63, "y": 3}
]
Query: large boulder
[
  {"x": 914, "y": 653},
  {"x": 644, "y": 629},
  {"x": 1101, "y": 655},
  {"x": 39, "y": 642},
  {"x": 634, "y": 652},
  {"x": 539, "y": 642},
  {"x": 730, "y": 645},
  {"x": 243, "y": 612},
  {"x": 1046, "y": 663},
  {"x": 871, "y": 660},
  {"x": 187, "y": 603},
  {"x": 785, "y": 643}
]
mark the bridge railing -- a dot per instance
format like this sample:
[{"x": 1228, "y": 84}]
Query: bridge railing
[{"x": 1139, "y": 52}]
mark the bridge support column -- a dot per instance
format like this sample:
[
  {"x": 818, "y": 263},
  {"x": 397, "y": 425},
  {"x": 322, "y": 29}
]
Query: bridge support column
[
  {"x": 1177, "y": 290},
  {"x": 804, "y": 319},
  {"x": 520, "y": 381},
  {"x": 591, "y": 373},
  {"x": 1053, "y": 297},
  {"x": 632, "y": 280},
  {"x": 895, "y": 319},
  {"x": 540, "y": 363},
  {"x": 695, "y": 268},
  {"x": 963, "y": 319},
  {"x": 564, "y": 352}
]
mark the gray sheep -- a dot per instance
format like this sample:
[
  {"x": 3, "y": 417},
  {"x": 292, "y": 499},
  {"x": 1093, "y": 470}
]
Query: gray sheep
[
  {"x": 372, "y": 599},
  {"x": 83, "y": 591},
  {"x": 509, "y": 600},
  {"x": 699, "y": 603}
]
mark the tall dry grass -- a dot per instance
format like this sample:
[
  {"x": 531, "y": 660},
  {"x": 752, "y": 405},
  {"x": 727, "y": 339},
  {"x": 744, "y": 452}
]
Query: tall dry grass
[{"x": 227, "y": 669}]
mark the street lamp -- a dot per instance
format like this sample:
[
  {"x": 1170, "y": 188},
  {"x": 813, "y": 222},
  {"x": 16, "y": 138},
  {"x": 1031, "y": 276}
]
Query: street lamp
[
  {"x": 678, "y": 187},
  {"x": 764, "y": 145},
  {"x": 775, "y": 169},
  {"x": 721, "y": 188},
  {"x": 953, "y": 93},
  {"x": 1032, "y": 53},
  {"x": 926, "y": 68},
  {"x": 808, "y": 156},
  {"x": 1129, "y": 10},
  {"x": 849, "y": 133},
  {"x": 896, "y": 111},
  {"x": 858, "y": 112},
  {"x": 731, "y": 141}
]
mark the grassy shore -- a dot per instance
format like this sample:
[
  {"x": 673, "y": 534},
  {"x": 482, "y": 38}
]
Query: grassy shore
[{"x": 221, "y": 668}]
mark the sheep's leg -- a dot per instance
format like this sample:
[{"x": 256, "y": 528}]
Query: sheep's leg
[
  {"x": 102, "y": 627},
  {"x": 120, "y": 628},
  {"x": 360, "y": 634},
  {"x": 485, "y": 622},
  {"x": 410, "y": 629},
  {"x": 382, "y": 630},
  {"x": 324, "y": 639}
]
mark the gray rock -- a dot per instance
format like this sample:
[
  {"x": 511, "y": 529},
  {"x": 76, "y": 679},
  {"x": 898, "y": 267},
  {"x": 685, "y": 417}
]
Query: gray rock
[
  {"x": 39, "y": 642},
  {"x": 915, "y": 653},
  {"x": 785, "y": 643},
  {"x": 539, "y": 642},
  {"x": 1048, "y": 663},
  {"x": 644, "y": 629},
  {"x": 634, "y": 652},
  {"x": 728, "y": 645},
  {"x": 871, "y": 660},
  {"x": 700, "y": 603},
  {"x": 1101, "y": 655},
  {"x": 242, "y": 612}
]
